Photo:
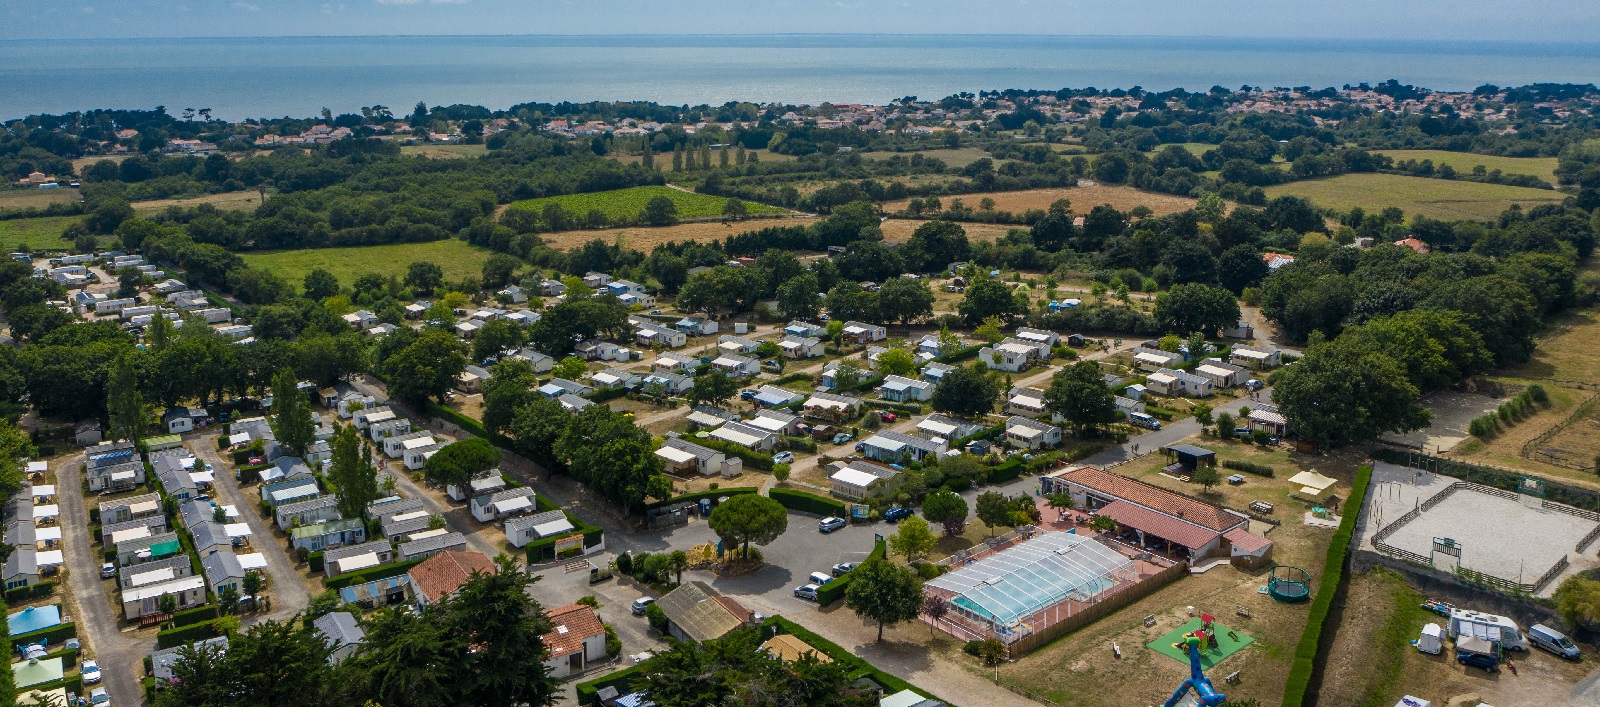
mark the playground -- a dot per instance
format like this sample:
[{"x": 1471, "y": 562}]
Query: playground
[{"x": 1229, "y": 641}]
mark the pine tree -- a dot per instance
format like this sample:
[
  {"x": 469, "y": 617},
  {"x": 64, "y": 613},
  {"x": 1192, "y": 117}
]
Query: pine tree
[
  {"x": 677, "y": 159},
  {"x": 739, "y": 156},
  {"x": 705, "y": 157},
  {"x": 645, "y": 157},
  {"x": 124, "y": 402},
  {"x": 722, "y": 157},
  {"x": 291, "y": 421}
]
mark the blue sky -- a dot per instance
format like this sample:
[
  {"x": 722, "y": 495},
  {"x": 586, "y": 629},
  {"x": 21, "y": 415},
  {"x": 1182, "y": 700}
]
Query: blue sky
[{"x": 1526, "y": 20}]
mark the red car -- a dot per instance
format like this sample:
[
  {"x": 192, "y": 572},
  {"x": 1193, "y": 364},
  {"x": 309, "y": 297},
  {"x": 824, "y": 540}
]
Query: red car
[{"x": 886, "y": 416}]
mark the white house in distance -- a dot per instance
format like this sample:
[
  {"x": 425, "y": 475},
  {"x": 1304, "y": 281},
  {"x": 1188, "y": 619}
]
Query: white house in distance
[
  {"x": 681, "y": 457},
  {"x": 649, "y": 333},
  {"x": 1255, "y": 358},
  {"x": 736, "y": 366},
  {"x": 798, "y": 347},
  {"x": 1222, "y": 375},
  {"x": 491, "y": 482},
  {"x": 1155, "y": 359},
  {"x": 944, "y": 428},
  {"x": 891, "y": 446},
  {"x": 728, "y": 343},
  {"x": 674, "y": 362},
  {"x": 697, "y": 326},
  {"x": 522, "y": 530},
  {"x": 1043, "y": 338},
  {"x": 1031, "y": 434},
  {"x": 858, "y": 480},
  {"x": 1179, "y": 384},
  {"x": 1027, "y": 402},
  {"x": 904, "y": 390},
  {"x": 1011, "y": 355},
  {"x": 778, "y": 423},
  {"x": 863, "y": 333}
]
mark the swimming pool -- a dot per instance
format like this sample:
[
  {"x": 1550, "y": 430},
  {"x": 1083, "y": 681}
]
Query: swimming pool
[{"x": 32, "y": 619}]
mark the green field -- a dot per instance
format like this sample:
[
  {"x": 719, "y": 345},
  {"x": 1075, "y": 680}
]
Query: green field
[
  {"x": 1463, "y": 162},
  {"x": 444, "y": 151},
  {"x": 620, "y": 204},
  {"x": 41, "y": 233},
  {"x": 456, "y": 257},
  {"x": 1435, "y": 198},
  {"x": 36, "y": 198}
]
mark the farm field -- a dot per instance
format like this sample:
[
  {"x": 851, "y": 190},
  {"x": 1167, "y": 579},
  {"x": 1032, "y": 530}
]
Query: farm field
[
  {"x": 444, "y": 152},
  {"x": 646, "y": 238},
  {"x": 1434, "y": 198},
  {"x": 958, "y": 157},
  {"x": 37, "y": 198},
  {"x": 228, "y": 201},
  {"x": 1463, "y": 162},
  {"x": 628, "y": 203},
  {"x": 1083, "y": 199},
  {"x": 456, "y": 257},
  {"x": 40, "y": 233}
]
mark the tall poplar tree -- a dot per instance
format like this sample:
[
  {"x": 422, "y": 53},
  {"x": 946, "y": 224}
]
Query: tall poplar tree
[
  {"x": 354, "y": 478},
  {"x": 291, "y": 421},
  {"x": 124, "y": 402}
]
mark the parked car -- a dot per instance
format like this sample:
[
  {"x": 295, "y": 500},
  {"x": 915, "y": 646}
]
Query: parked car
[
  {"x": 1552, "y": 640},
  {"x": 894, "y": 515},
  {"x": 830, "y": 524},
  {"x": 783, "y": 458},
  {"x": 642, "y": 603},
  {"x": 108, "y": 570},
  {"x": 98, "y": 696},
  {"x": 1254, "y": 384},
  {"x": 807, "y": 592},
  {"x": 90, "y": 670},
  {"x": 820, "y": 578},
  {"x": 1478, "y": 660},
  {"x": 840, "y": 569},
  {"x": 886, "y": 416},
  {"x": 841, "y": 438},
  {"x": 747, "y": 395}
]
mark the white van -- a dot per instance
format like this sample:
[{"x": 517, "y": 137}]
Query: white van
[
  {"x": 1140, "y": 419},
  {"x": 820, "y": 578},
  {"x": 1552, "y": 640}
]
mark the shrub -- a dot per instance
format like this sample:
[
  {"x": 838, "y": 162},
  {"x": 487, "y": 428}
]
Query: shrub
[
  {"x": 656, "y": 617},
  {"x": 807, "y": 503},
  {"x": 1248, "y": 468},
  {"x": 30, "y": 592},
  {"x": 194, "y": 616},
  {"x": 187, "y": 634},
  {"x": 625, "y": 563},
  {"x": 52, "y": 635},
  {"x": 971, "y": 647},
  {"x": 1305, "y": 654},
  {"x": 380, "y": 572}
]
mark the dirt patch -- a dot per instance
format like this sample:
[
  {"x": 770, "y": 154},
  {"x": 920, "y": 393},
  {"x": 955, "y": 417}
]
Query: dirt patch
[
  {"x": 646, "y": 239},
  {"x": 230, "y": 201},
  {"x": 1083, "y": 199},
  {"x": 37, "y": 198}
]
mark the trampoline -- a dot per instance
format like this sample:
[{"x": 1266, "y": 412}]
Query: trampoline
[{"x": 1289, "y": 584}]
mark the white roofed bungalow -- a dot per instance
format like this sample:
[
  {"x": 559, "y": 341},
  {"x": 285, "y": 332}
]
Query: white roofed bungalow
[
  {"x": 746, "y": 436},
  {"x": 892, "y": 446},
  {"x": 1031, "y": 434},
  {"x": 858, "y": 480},
  {"x": 904, "y": 390}
]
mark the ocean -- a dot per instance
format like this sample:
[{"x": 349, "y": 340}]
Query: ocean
[{"x": 298, "y": 76}]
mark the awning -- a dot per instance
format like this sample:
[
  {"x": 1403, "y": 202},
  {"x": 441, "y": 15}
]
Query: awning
[
  {"x": 47, "y": 558},
  {"x": 165, "y": 574},
  {"x": 202, "y": 477},
  {"x": 45, "y": 534},
  {"x": 675, "y": 455},
  {"x": 122, "y": 536},
  {"x": 237, "y": 530},
  {"x": 143, "y": 507},
  {"x": 357, "y": 562},
  {"x": 515, "y": 503},
  {"x": 239, "y": 438},
  {"x": 545, "y": 530},
  {"x": 253, "y": 561},
  {"x": 46, "y": 511}
]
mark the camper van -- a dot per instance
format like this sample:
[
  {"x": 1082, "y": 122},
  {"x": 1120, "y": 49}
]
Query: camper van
[
  {"x": 1139, "y": 419},
  {"x": 1499, "y": 629}
]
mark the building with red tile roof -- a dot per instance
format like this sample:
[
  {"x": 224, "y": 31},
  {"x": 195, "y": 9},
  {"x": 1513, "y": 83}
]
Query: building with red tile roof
[
  {"x": 441, "y": 575},
  {"x": 1159, "y": 518},
  {"x": 577, "y": 640}
]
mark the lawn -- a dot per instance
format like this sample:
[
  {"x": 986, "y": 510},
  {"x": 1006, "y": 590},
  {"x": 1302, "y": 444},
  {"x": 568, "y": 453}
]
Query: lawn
[
  {"x": 41, "y": 233},
  {"x": 1463, "y": 162},
  {"x": 621, "y": 204},
  {"x": 36, "y": 198},
  {"x": 1436, "y": 198},
  {"x": 1083, "y": 199},
  {"x": 957, "y": 158},
  {"x": 227, "y": 201},
  {"x": 444, "y": 152},
  {"x": 456, "y": 257}
]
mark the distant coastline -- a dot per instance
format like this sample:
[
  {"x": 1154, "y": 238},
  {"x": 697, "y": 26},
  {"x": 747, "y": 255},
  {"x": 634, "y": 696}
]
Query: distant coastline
[{"x": 276, "y": 76}]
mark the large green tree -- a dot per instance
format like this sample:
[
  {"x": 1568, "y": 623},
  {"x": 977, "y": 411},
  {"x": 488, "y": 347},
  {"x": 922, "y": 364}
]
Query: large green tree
[
  {"x": 884, "y": 593},
  {"x": 459, "y": 462},
  {"x": 948, "y": 509},
  {"x": 427, "y": 368},
  {"x": 291, "y": 413},
  {"x": 965, "y": 393},
  {"x": 124, "y": 401},
  {"x": 713, "y": 387},
  {"x": 1196, "y": 307},
  {"x": 748, "y": 518},
  {"x": 905, "y": 300},
  {"x": 987, "y": 297},
  {"x": 799, "y": 298},
  {"x": 351, "y": 473},
  {"x": 1344, "y": 392},
  {"x": 1079, "y": 394},
  {"x": 612, "y": 456}
]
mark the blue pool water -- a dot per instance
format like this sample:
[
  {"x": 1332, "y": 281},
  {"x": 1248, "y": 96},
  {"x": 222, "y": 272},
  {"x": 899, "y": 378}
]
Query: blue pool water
[{"x": 32, "y": 619}]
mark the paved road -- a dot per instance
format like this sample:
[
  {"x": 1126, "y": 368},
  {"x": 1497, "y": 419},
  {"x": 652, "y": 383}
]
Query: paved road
[
  {"x": 289, "y": 594},
  {"x": 121, "y": 654}
]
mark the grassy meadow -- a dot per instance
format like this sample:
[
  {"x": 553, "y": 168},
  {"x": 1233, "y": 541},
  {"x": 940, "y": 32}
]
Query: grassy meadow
[
  {"x": 1083, "y": 199},
  {"x": 1435, "y": 198},
  {"x": 620, "y": 204},
  {"x": 40, "y": 233},
  {"x": 456, "y": 257},
  {"x": 1463, "y": 162}
]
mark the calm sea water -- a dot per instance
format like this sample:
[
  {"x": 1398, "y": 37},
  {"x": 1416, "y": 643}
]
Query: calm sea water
[{"x": 298, "y": 76}]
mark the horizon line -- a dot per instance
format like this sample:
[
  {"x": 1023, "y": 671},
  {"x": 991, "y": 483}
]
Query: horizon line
[{"x": 1032, "y": 35}]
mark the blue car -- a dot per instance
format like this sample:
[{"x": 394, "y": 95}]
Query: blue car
[{"x": 896, "y": 514}]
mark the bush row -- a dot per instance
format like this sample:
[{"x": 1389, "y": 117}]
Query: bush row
[
  {"x": 694, "y": 497},
  {"x": 380, "y": 572},
  {"x": 1510, "y": 412},
  {"x": 791, "y": 378},
  {"x": 753, "y": 459},
  {"x": 858, "y": 666},
  {"x": 909, "y": 408},
  {"x": 1248, "y": 468},
  {"x": 195, "y": 615},
  {"x": 834, "y": 591},
  {"x": 186, "y": 634},
  {"x": 33, "y": 591},
  {"x": 1305, "y": 654},
  {"x": 807, "y": 502},
  {"x": 589, "y": 692}
]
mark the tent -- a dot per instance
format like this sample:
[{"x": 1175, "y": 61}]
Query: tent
[
  {"x": 1431, "y": 640},
  {"x": 1312, "y": 486},
  {"x": 1473, "y": 644}
]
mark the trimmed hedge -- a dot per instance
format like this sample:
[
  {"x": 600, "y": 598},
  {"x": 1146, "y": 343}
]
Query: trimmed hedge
[
  {"x": 985, "y": 433},
  {"x": 751, "y": 458},
  {"x": 22, "y": 595},
  {"x": 713, "y": 493},
  {"x": 589, "y": 692},
  {"x": 542, "y": 550},
  {"x": 1305, "y": 654},
  {"x": 380, "y": 572},
  {"x": 314, "y": 561},
  {"x": 908, "y": 408},
  {"x": 834, "y": 591},
  {"x": 858, "y": 667},
  {"x": 601, "y": 396},
  {"x": 807, "y": 502},
  {"x": 196, "y": 615},
  {"x": 187, "y": 634},
  {"x": 53, "y": 635},
  {"x": 459, "y": 420},
  {"x": 71, "y": 683},
  {"x": 791, "y": 378},
  {"x": 1001, "y": 473},
  {"x": 962, "y": 355},
  {"x": 1249, "y": 468}
]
